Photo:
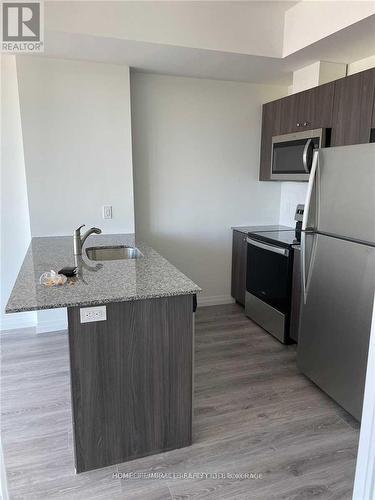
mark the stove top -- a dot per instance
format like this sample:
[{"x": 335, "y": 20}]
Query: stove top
[
  {"x": 281, "y": 238},
  {"x": 266, "y": 229}
]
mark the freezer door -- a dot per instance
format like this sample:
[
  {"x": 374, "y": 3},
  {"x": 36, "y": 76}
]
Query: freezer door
[
  {"x": 336, "y": 317},
  {"x": 343, "y": 201}
]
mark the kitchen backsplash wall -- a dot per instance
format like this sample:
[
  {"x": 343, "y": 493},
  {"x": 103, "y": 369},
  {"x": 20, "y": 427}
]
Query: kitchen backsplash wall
[{"x": 292, "y": 193}]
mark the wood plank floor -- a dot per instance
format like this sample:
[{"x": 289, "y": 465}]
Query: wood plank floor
[{"x": 254, "y": 414}]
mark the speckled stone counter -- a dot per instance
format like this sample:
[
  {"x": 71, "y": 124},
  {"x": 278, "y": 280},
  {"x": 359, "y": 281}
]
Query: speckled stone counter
[{"x": 150, "y": 276}]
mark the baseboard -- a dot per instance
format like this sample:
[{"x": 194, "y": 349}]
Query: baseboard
[
  {"x": 215, "y": 300},
  {"x": 51, "y": 326},
  {"x": 17, "y": 321},
  {"x": 52, "y": 320}
]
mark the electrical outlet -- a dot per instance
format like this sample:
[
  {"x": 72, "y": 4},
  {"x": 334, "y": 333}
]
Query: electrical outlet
[
  {"x": 107, "y": 211},
  {"x": 89, "y": 314}
]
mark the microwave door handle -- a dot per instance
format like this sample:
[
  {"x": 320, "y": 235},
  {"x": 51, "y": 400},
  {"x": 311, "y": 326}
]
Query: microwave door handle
[
  {"x": 270, "y": 248},
  {"x": 310, "y": 187},
  {"x": 304, "y": 156}
]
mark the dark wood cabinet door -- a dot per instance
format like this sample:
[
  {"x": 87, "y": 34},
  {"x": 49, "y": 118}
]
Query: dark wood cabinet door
[
  {"x": 131, "y": 380},
  {"x": 352, "y": 109},
  {"x": 290, "y": 113},
  {"x": 270, "y": 127},
  {"x": 239, "y": 258},
  {"x": 318, "y": 107},
  {"x": 307, "y": 110}
]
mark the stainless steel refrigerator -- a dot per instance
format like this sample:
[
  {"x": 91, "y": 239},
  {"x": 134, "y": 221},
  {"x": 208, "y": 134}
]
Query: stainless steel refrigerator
[{"x": 338, "y": 272}]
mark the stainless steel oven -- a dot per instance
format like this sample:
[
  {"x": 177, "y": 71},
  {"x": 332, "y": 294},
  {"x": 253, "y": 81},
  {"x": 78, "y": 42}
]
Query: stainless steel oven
[
  {"x": 268, "y": 285},
  {"x": 292, "y": 154}
]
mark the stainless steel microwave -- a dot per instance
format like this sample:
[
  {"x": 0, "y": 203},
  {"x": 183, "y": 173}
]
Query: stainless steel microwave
[{"x": 292, "y": 154}]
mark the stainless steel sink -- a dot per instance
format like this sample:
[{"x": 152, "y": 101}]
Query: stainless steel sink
[{"x": 118, "y": 252}]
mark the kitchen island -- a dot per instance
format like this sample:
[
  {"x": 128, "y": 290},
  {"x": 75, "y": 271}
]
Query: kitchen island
[{"x": 131, "y": 373}]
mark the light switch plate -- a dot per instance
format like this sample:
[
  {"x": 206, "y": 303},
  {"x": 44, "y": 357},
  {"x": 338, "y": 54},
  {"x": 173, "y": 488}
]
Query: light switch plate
[
  {"x": 90, "y": 314},
  {"x": 107, "y": 211}
]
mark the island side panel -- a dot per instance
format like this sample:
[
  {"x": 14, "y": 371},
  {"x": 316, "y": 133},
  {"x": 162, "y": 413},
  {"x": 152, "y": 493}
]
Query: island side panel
[{"x": 131, "y": 380}]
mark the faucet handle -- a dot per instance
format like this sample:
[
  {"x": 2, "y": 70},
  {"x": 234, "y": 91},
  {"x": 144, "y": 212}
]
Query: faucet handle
[{"x": 78, "y": 230}]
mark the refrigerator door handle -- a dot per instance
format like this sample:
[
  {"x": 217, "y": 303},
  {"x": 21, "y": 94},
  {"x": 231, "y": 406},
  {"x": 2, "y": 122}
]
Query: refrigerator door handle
[
  {"x": 303, "y": 267},
  {"x": 312, "y": 178},
  {"x": 307, "y": 273}
]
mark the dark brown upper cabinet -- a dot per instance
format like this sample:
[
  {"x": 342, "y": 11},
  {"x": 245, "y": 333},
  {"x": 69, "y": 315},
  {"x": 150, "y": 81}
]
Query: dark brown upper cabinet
[
  {"x": 353, "y": 109},
  {"x": 270, "y": 127},
  {"x": 307, "y": 110},
  {"x": 347, "y": 106},
  {"x": 303, "y": 111},
  {"x": 318, "y": 107}
]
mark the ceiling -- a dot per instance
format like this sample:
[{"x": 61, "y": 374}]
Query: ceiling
[{"x": 354, "y": 42}]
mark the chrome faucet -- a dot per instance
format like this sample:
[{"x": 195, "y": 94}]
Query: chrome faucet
[{"x": 79, "y": 240}]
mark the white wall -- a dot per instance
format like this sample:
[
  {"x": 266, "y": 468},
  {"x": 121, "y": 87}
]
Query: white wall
[
  {"x": 317, "y": 73},
  {"x": 292, "y": 194},
  {"x": 77, "y": 141},
  {"x": 196, "y": 160},
  {"x": 309, "y": 21},
  {"x": 188, "y": 24},
  {"x": 15, "y": 224},
  {"x": 361, "y": 65}
]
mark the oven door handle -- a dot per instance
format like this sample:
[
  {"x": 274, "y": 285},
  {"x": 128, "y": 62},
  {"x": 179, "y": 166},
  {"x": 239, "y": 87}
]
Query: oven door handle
[{"x": 270, "y": 248}]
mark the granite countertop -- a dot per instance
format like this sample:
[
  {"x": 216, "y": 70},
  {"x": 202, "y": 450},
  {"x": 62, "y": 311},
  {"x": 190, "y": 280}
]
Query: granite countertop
[{"x": 150, "y": 276}]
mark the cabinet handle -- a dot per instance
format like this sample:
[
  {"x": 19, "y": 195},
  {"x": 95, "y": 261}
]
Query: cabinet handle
[
  {"x": 298, "y": 124},
  {"x": 306, "y": 123}
]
